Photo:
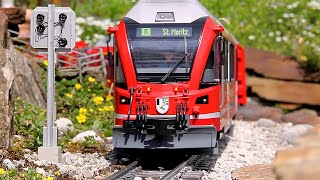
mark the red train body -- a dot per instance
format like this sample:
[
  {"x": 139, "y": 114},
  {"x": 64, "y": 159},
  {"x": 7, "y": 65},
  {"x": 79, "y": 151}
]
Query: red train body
[{"x": 179, "y": 77}]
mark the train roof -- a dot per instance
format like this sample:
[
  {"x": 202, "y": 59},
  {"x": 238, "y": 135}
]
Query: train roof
[{"x": 185, "y": 11}]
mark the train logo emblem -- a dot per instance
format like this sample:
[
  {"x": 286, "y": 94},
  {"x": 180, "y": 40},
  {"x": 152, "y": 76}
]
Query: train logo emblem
[{"x": 162, "y": 105}]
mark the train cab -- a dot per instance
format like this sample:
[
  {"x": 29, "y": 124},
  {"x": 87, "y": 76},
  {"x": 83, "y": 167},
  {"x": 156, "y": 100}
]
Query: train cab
[{"x": 179, "y": 77}]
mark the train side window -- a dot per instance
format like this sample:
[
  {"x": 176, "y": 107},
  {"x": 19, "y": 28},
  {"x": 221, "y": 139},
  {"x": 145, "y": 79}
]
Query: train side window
[
  {"x": 232, "y": 62},
  {"x": 226, "y": 60},
  {"x": 120, "y": 80},
  {"x": 210, "y": 75}
]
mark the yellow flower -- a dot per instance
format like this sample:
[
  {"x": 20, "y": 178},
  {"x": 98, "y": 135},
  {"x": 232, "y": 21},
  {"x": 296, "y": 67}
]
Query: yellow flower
[
  {"x": 22, "y": 175},
  {"x": 48, "y": 178},
  {"x": 108, "y": 108},
  {"x": 109, "y": 98},
  {"x": 100, "y": 110},
  {"x": 303, "y": 58},
  {"x": 81, "y": 118},
  {"x": 90, "y": 110},
  {"x": 78, "y": 86},
  {"x": 69, "y": 95},
  {"x": 83, "y": 111},
  {"x": 98, "y": 100},
  {"x": 57, "y": 173},
  {"x": 111, "y": 108},
  {"x": 108, "y": 80},
  {"x": 45, "y": 62},
  {"x": 2, "y": 171},
  {"x": 91, "y": 79}
]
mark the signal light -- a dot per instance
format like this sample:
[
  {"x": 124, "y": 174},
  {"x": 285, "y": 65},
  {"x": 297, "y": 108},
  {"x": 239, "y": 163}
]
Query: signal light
[
  {"x": 40, "y": 29},
  {"x": 62, "y": 42},
  {"x": 62, "y": 18},
  {"x": 40, "y": 19}
]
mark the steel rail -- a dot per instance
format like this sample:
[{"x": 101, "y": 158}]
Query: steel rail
[
  {"x": 123, "y": 171},
  {"x": 171, "y": 174}
]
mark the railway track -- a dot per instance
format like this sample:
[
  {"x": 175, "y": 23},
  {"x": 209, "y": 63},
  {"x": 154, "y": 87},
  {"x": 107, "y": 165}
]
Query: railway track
[{"x": 191, "y": 168}]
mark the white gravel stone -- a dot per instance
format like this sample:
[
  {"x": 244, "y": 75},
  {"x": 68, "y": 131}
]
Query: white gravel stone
[
  {"x": 263, "y": 122},
  {"x": 64, "y": 125},
  {"x": 41, "y": 171},
  {"x": 81, "y": 136},
  {"x": 291, "y": 134}
]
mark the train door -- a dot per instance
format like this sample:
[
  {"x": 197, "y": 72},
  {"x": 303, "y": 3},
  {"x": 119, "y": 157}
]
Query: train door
[{"x": 224, "y": 83}]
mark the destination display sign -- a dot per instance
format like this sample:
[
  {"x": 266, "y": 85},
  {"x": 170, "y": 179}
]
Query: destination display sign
[{"x": 164, "y": 32}]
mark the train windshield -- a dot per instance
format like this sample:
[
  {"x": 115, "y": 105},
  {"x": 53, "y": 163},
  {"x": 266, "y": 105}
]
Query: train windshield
[{"x": 161, "y": 50}]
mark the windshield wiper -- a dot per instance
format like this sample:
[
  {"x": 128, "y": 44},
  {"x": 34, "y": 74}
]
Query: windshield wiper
[
  {"x": 164, "y": 78},
  {"x": 186, "y": 55}
]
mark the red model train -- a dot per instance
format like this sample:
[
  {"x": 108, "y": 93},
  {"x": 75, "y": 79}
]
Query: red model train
[{"x": 179, "y": 77}]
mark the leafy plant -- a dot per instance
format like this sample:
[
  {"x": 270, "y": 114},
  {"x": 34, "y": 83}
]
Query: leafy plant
[{"x": 28, "y": 123}]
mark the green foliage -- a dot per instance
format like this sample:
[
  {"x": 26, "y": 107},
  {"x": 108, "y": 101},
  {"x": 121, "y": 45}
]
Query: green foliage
[
  {"x": 288, "y": 27},
  {"x": 87, "y": 105},
  {"x": 22, "y": 175},
  {"x": 28, "y": 123},
  {"x": 113, "y": 9},
  {"x": 26, "y": 3}
]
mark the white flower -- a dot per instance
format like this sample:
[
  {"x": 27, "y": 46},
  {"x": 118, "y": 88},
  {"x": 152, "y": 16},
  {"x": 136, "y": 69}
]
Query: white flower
[
  {"x": 80, "y": 20},
  {"x": 278, "y": 39},
  {"x": 291, "y": 15},
  {"x": 310, "y": 34},
  {"x": 285, "y": 15},
  {"x": 294, "y": 5},
  {"x": 271, "y": 34},
  {"x": 280, "y": 20},
  {"x": 251, "y": 37},
  {"x": 314, "y": 5},
  {"x": 303, "y": 20},
  {"x": 278, "y": 33},
  {"x": 285, "y": 38}
]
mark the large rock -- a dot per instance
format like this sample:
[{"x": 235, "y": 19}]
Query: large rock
[
  {"x": 6, "y": 88},
  {"x": 303, "y": 116},
  {"x": 15, "y": 15},
  {"x": 253, "y": 112},
  {"x": 272, "y": 65},
  {"x": 255, "y": 172},
  {"x": 28, "y": 84},
  {"x": 285, "y": 91},
  {"x": 302, "y": 161}
]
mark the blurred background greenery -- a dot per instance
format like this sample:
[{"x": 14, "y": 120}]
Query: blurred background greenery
[{"x": 288, "y": 27}]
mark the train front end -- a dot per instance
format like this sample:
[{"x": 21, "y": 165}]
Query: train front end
[{"x": 167, "y": 78}]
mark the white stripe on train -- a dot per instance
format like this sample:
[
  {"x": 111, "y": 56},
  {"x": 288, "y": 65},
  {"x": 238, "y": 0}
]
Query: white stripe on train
[{"x": 200, "y": 116}]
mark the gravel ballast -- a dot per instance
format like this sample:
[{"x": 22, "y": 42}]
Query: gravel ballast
[{"x": 248, "y": 143}]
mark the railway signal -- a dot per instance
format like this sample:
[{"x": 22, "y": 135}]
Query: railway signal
[{"x": 52, "y": 30}]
